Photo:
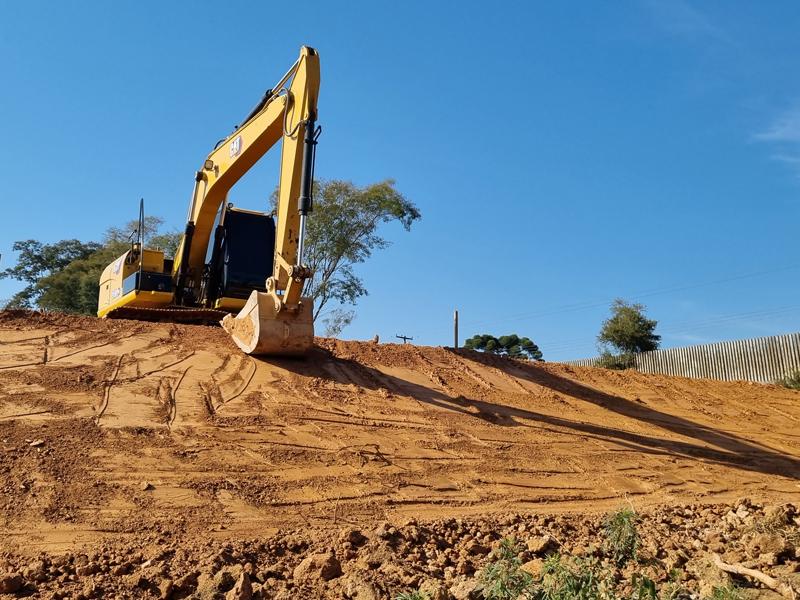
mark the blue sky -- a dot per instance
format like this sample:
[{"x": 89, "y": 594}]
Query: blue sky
[{"x": 562, "y": 153}]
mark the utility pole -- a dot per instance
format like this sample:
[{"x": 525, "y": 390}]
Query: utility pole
[
  {"x": 455, "y": 329},
  {"x": 405, "y": 338}
]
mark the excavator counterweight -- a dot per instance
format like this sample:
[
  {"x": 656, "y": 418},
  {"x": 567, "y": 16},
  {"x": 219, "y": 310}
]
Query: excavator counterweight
[{"x": 231, "y": 259}]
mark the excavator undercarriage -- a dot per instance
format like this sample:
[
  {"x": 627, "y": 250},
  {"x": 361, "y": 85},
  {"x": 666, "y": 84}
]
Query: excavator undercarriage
[{"x": 176, "y": 314}]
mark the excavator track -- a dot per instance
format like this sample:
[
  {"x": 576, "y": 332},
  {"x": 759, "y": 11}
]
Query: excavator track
[{"x": 175, "y": 314}]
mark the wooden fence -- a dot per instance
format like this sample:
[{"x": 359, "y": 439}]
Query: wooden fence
[{"x": 764, "y": 359}]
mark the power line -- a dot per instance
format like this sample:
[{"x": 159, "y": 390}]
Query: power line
[
  {"x": 644, "y": 294},
  {"x": 679, "y": 326},
  {"x": 685, "y": 327}
]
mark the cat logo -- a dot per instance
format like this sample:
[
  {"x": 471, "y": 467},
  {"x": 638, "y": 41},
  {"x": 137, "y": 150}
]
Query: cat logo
[{"x": 236, "y": 146}]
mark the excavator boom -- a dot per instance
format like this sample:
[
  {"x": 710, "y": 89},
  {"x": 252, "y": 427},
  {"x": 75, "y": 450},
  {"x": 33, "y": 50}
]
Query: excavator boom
[{"x": 255, "y": 264}]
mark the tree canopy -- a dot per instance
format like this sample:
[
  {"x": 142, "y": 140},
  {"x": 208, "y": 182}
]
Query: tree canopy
[
  {"x": 628, "y": 330},
  {"x": 38, "y": 261},
  {"x": 65, "y": 276},
  {"x": 512, "y": 346},
  {"x": 343, "y": 232},
  {"x": 153, "y": 235}
]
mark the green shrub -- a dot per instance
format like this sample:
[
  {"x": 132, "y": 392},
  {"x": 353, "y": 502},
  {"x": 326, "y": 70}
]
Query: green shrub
[
  {"x": 791, "y": 381},
  {"x": 644, "y": 588},
  {"x": 616, "y": 361},
  {"x": 621, "y": 535}
]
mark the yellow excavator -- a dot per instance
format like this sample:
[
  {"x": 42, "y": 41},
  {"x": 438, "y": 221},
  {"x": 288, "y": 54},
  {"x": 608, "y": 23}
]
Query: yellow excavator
[{"x": 252, "y": 266}]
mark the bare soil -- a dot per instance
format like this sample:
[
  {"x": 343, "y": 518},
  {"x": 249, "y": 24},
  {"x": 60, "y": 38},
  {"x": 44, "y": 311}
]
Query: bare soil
[{"x": 127, "y": 442}]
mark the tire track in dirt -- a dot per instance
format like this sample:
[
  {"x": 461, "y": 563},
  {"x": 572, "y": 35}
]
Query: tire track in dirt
[
  {"x": 367, "y": 431},
  {"x": 93, "y": 347},
  {"x": 245, "y": 382},
  {"x": 173, "y": 405},
  {"x": 107, "y": 390},
  {"x": 215, "y": 389},
  {"x": 43, "y": 361},
  {"x": 25, "y": 414},
  {"x": 160, "y": 368}
]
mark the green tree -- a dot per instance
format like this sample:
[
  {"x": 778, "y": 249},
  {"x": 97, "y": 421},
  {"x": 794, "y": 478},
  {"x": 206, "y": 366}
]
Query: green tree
[
  {"x": 336, "y": 320},
  {"x": 343, "y": 232},
  {"x": 512, "y": 346},
  {"x": 153, "y": 236},
  {"x": 65, "y": 276},
  {"x": 37, "y": 261},
  {"x": 628, "y": 330},
  {"x": 75, "y": 288}
]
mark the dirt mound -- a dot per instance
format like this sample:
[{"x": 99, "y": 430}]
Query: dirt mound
[{"x": 109, "y": 429}]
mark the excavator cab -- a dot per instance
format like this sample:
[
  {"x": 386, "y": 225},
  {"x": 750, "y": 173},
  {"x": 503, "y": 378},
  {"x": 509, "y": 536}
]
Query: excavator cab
[{"x": 241, "y": 258}]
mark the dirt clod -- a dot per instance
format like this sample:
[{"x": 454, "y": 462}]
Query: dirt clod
[
  {"x": 323, "y": 566},
  {"x": 242, "y": 590},
  {"x": 10, "y": 583}
]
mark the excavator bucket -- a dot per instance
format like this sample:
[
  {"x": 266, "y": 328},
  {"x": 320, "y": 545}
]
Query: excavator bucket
[{"x": 261, "y": 327}]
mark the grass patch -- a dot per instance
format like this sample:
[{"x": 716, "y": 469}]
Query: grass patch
[
  {"x": 503, "y": 578},
  {"x": 778, "y": 523},
  {"x": 594, "y": 577},
  {"x": 415, "y": 595},
  {"x": 729, "y": 592},
  {"x": 644, "y": 588},
  {"x": 573, "y": 579}
]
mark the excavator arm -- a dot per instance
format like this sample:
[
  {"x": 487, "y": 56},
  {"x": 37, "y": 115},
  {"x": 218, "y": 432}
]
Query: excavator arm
[
  {"x": 274, "y": 318},
  {"x": 287, "y": 114}
]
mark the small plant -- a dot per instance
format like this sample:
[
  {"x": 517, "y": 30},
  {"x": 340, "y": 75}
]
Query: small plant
[
  {"x": 672, "y": 590},
  {"x": 777, "y": 522},
  {"x": 791, "y": 381},
  {"x": 413, "y": 595},
  {"x": 644, "y": 588},
  {"x": 622, "y": 537},
  {"x": 729, "y": 592},
  {"x": 675, "y": 575},
  {"x": 574, "y": 579},
  {"x": 503, "y": 578}
]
